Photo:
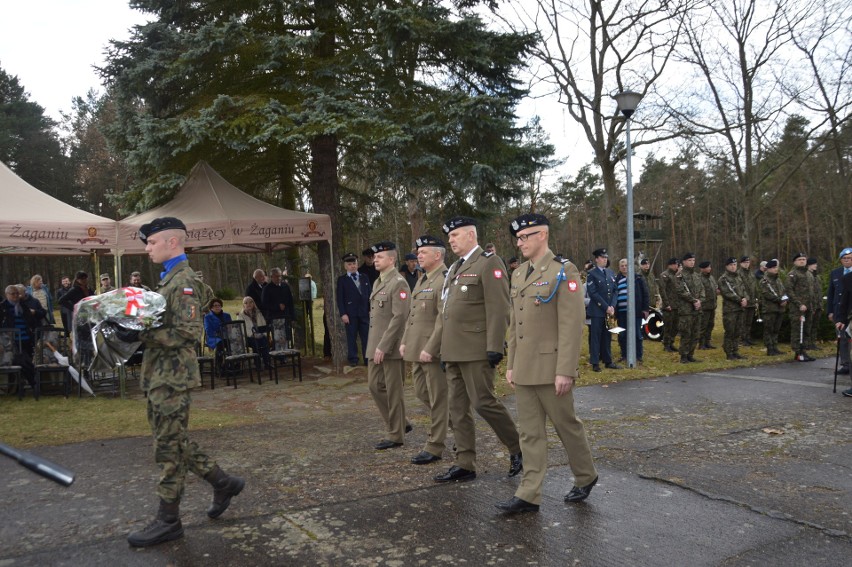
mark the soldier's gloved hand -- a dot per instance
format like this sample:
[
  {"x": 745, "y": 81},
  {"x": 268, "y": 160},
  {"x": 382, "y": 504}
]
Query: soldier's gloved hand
[{"x": 494, "y": 358}]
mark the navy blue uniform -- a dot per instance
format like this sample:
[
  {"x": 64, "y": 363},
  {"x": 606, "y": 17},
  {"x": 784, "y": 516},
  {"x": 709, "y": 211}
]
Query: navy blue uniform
[
  {"x": 354, "y": 300},
  {"x": 601, "y": 289}
]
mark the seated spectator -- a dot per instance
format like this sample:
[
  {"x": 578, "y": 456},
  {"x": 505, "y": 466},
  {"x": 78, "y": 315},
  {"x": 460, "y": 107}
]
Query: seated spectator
[
  {"x": 13, "y": 314},
  {"x": 213, "y": 322},
  {"x": 31, "y": 303},
  {"x": 41, "y": 293},
  {"x": 277, "y": 300},
  {"x": 255, "y": 329}
]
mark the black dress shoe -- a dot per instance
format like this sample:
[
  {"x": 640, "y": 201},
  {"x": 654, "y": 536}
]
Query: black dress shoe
[
  {"x": 424, "y": 458},
  {"x": 596, "y": 367},
  {"x": 385, "y": 444},
  {"x": 613, "y": 366},
  {"x": 516, "y": 505},
  {"x": 580, "y": 493},
  {"x": 455, "y": 474},
  {"x": 516, "y": 464},
  {"x": 843, "y": 370},
  {"x": 408, "y": 428}
]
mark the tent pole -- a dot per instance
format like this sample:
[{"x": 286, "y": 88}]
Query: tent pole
[{"x": 336, "y": 320}]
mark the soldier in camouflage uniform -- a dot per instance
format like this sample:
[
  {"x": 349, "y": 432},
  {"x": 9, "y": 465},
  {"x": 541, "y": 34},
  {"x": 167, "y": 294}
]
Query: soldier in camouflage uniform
[
  {"x": 169, "y": 371},
  {"x": 650, "y": 281},
  {"x": 773, "y": 304},
  {"x": 708, "y": 307},
  {"x": 690, "y": 295},
  {"x": 812, "y": 324},
  {"x": 734, "y": 300},
  {"x": 799, "y": 288},
  {"x": 750, "y": 283},
  {"x": 668, "y": 297}
]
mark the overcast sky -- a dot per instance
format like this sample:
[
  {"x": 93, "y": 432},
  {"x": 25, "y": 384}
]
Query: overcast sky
[{"x": 53, "y": 45}]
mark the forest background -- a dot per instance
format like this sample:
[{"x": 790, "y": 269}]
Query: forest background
[{"x": 392, "y": 116}]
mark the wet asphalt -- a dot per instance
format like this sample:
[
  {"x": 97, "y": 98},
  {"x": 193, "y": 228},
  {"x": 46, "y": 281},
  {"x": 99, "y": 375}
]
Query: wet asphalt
[{"x": 747, "y": 467}]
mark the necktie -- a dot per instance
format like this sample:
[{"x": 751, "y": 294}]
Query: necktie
[
  {"x": 530, "y": 270},
  {"x": 354, "y": 277},
  {"x": 423, "y": 281},
  {"x": 846, "y": 271}
]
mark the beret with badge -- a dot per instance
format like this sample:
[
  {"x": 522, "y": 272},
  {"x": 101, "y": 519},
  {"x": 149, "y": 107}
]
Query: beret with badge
[
  {"x": 798, "y": 255},
  {"x": 704, "y": 264},
  {"x": 457, "y": 222},
  {"x": 771, "y": 263},
  {"x": 526, "y": 221},
  {"x": 429, "y": 240},
  {"x": 383, "y": 246},
  {"x": 745, "y": 259},
  {"x": 688, "y": 256},
  {"x": 159, "y": 225},
  {"x": 730, "y": 260},
  {"x": 672, "y": 262}
]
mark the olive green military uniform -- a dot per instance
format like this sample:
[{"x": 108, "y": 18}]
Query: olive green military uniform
[
  {"x": 423, "y": 333},
  {"x": 688, "y": 289},
  {"x": 545, "y": 333},
  {"x": 812, "y": 323},
  {"x": 388, "y": 312},
  {"x": 708, "y": 309},
  {"x": 750, "y": 283},
  {"x": 668, "y": 296},
  {"x": 474, "y": 321},
  {"x": 733, "y": 291},
  {"x": 772, "y": 307},
  {"x": 653, "y": 288},
  {"x": 799, "y": 289},
  {"x": 169, "y": 371}
]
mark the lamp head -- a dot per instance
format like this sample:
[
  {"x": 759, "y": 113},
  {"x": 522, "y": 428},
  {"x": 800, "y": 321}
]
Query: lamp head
[{"x": 627, "y": 102}]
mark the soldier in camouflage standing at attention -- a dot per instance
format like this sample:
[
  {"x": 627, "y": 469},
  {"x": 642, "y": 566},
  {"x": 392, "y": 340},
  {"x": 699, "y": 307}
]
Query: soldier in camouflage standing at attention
[
  {"x": 708, "y": 308},
  {"x": 668, "y": 295},
  {"x": 734, "y": 300},
  {"x": 169, "y": 371},
  {"x": 690, "y": 295},
  {"x": 651, "y": 282},
  {"x": 799, "y": 289},
  {"x": 773, "y": 304},
  {"x": 750, "y": 283}
]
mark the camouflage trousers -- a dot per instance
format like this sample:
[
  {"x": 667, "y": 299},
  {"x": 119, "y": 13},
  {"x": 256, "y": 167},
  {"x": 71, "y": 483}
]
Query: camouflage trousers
[
  {"x": 798, "y": 332},
  {"x": 732, "y": 322},
  {"x": 689, "y": 327},
  {"x": 708, "y": 323},
  {"x": 745, "y": 326},
  {"x": 174, "y": 453},
  {"x": 812, "y": 327},
  {"x": 670, "y": 327},
  {"x": 771, "y": 327}
]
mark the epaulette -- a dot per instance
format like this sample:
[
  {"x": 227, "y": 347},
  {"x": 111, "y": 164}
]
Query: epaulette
[
  {"x": 445, "y": 272},
  {"x": 560, "y": 260},
  {"x": 487, "y": 254}
]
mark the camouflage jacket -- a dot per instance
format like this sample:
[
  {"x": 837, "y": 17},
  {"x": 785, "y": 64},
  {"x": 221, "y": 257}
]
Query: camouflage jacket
[
  {"x": 688, "y": 290},
  {"x": 816, "y": 297},
  {"x": 800, "y": 289},
  {"x": 772, "y": 294},
  {"x": 710, "y": 287},
  {"x": 668, "y": 294},
  {"x": 733, "y": 291},
  {"x": 750, "y": 283},
  {"x": 169, "y": 358}
]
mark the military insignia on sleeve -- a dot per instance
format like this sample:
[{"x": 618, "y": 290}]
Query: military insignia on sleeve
[
  {"x": 188, "y": 291},
  {"x": 572, "y": 285},
  {"x": 498, "y": 274},
  {"x": 190, "y": 312},
  {"x": 403, "y": 295}
]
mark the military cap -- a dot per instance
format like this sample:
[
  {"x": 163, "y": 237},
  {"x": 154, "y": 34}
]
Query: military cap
[
  {"x": 383, "y": 246},
  {"x": 745, "y": 259},
  {"x": 812, "y": 261},
  {"x": 513, "y": 259},
  {"x": 526, "y": 221},
  {"x": 159, "y": 225},
  {"x": 410, "y": 256},
  {"x": 688, "y": 256},
  {"x": 644, "y": 261},
  {"x": 672, "y": 261},
  {"x": 429, "y": 240},
  {"x": 104, "y": 277},
  {"x": 798, "y": 255},
  {"x": 844, "y": 252},
  {"x": 457, "y": 222},
  {"x": 771, "y": 264},
  {"x": 600, "y": 253},
  {"x": 730, "y": 260},
  {"x": 367, "y": 252},
  {"x": 704, "y": 264},
  {"x": 350, "y": 257}
]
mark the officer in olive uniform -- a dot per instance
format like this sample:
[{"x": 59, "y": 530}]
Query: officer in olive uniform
[
  {"x": 668, "y": 297},
  {"x": 750, "y": 283},
  {"x": 475, "y": 315},
  {"x": 812, "y": 324},
  {"x": 421, "y": 345},
  {"x": 708, "y": 307},
  {"x": 651, "y": 282},
  {"x": 169, "y": 371},
  {"x": 389, "y": 306},
  {"x": 545, "y": 333},
  {"x": 800, "y": 289},
  {"x": 773, "y": 304},
  {"x": 734, "y": 301},
  {"x": 690, "y": 295}
]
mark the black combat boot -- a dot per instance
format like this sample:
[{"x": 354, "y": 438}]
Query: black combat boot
[
  {"x": 165, "y": 527},
  {"x": 224, "y": 488}
]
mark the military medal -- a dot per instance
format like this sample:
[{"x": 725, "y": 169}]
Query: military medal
[
  {"x": 537, "y": 301},
  {"x": 464, "y": 288}
]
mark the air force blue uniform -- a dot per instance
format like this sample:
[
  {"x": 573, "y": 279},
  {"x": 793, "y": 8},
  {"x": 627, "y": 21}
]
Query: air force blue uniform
[
  {"x": 353, "y": 299},
  {"x": 601, "y": 289}
]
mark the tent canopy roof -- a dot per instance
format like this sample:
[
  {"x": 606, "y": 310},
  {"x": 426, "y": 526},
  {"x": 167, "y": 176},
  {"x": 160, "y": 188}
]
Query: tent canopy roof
[{"x": 219, "y": 217}]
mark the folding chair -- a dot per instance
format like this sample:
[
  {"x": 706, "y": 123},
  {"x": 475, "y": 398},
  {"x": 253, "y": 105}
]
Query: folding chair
[
  {"x": 48, "y": 341},
  {"x": 237, "y": 351},
  {"x": 10, "y": 349},
  {"x": 280, "y": 353},
  {"x": 206, "y": 364}
]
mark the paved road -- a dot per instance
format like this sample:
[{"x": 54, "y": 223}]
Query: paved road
[{"x": 743, "y": 467}]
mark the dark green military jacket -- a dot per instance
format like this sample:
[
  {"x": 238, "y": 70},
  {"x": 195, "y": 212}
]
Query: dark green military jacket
[
  {"x": 800, "y": 288},
  {"x": 653, "y": 288},
  {"x": 750, "y": 283},
  {"x": 689, "y": 289},
  {"x": 733, "y": 291},
  {"x": 710, "y": 287},
  {"x": 772, "y": 294},
  {"x": 169, "y": 358},
  {"x": 668, "y": 295}
]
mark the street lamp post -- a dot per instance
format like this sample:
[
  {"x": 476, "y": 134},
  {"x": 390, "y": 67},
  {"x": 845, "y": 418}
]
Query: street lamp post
[{"x": 627, "y": 102}]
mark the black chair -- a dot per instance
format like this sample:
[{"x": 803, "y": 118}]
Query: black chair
[
  {"x": 50, "y": 341},
  {"x": 236, "y": 352},
  {"x": 280, "y": 353},
  {"x": 10, "y": 350},
  {"x": 206, "y": 363}
]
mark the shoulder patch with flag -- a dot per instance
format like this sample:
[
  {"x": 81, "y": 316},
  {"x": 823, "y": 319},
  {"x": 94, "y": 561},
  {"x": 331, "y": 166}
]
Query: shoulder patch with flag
[
  {"x": 403, "y": 295},
  {"x": 498, "y": 274},
  {"x": 188, "y": 291},
  {"x": 572, "y": 285}
]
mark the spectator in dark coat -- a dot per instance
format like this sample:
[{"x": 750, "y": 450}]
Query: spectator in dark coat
[
  {"x": 277, "y": 301},
  {"x": 642, "y": 308},
  {"x": 832, "y": 304},
  {"x": 255, "y": 288},
  {"x": 843, "y": 313},
  {"x": 353, "y": 305},
  {"x": 64, "y": 312}
]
